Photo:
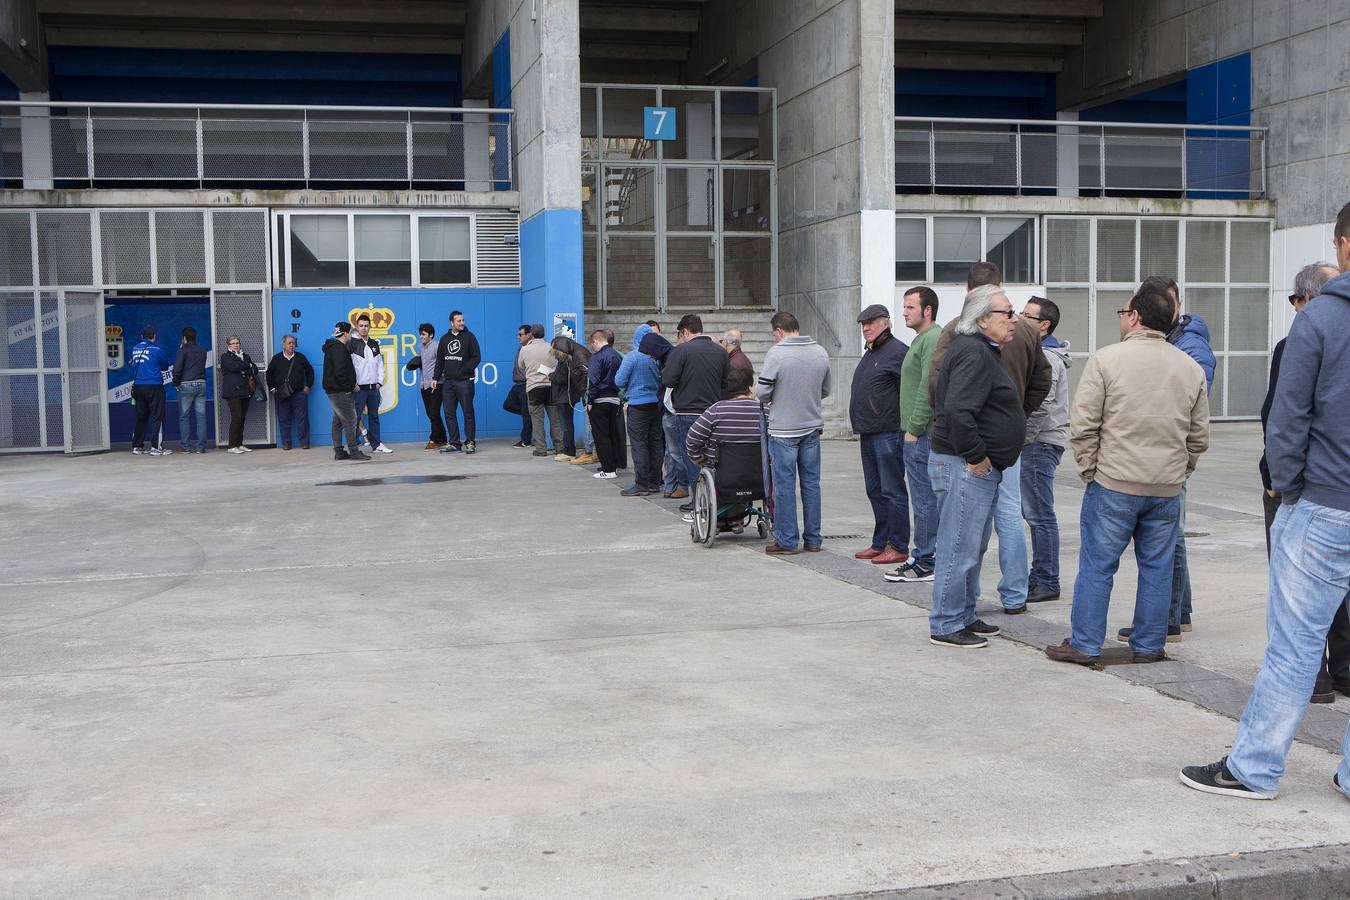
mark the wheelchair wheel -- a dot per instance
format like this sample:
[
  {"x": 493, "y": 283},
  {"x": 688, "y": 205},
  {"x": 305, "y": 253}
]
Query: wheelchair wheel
[
  {"x": 703, "y": 529},
  {"x": 763, "y": 528}
]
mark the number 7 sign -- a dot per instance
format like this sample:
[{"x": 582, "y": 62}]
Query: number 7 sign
[{"x": 658, "y": 123}]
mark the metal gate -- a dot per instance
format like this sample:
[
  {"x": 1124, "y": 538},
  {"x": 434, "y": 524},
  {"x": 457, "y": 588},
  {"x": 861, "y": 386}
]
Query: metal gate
[
  {"x": 84, "y": 376},
  {"x": 244, "y": 314}
]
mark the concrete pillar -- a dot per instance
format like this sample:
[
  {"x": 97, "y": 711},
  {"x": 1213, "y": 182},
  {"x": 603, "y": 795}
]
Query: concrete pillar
[
  {"x": 477, "y": 164},
  {"x": 35, "y": 138},
  {"x": 1066, "y": 157}
]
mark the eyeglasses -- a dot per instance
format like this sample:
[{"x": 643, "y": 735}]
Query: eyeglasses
[
  {"x": 1010, "y": 312},
  {"x": 1034, "y": 318},
  {"x": 1125, "y": 312},
  {"x": 1295, "y": 299}
]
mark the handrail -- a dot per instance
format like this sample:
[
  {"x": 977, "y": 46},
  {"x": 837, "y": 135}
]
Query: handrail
[
  {"x": 838, "y": 344},
  {"x": 1078, "y": 123},
  {"x": 393, "y": 110}
]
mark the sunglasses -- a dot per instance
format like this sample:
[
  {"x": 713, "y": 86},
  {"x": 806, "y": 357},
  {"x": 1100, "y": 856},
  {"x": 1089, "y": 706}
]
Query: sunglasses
[{"x": 1295, "y": 299}]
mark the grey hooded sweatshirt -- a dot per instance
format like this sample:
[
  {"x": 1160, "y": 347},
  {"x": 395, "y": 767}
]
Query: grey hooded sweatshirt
[{"x": 1049, "y": 424}]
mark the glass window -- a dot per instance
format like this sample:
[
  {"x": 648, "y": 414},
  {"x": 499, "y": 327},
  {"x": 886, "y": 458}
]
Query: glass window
[
  {"x": 1011, "y": 245},
  {"x": 956, "y": 247},
  {"x": 443, "y": 250},
  {"x": 383, "y": 251},
  {"x": 911, "y": 251},
  {"x": 319, "y": 251}
]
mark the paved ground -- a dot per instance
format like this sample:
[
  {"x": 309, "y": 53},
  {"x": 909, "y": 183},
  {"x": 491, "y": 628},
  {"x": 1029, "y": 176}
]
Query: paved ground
[{"x": 227, "y": 675}]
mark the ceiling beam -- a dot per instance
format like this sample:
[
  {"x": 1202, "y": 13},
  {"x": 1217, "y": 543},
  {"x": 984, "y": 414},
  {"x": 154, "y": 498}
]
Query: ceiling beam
[
  {"x": 626, "y": 18},
  {"x": 427, "y": 13},
  {"x": 917, "y": 29},
  {"x": 1021, "y": 9},
  {"x": 984, "y": 62},
  {"x": 614, "y": 50},
  {"x": 297, "y": 41}
]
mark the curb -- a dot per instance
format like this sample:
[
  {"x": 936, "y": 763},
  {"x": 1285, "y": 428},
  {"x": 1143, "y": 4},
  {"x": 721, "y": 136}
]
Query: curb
[{"x": 1306, "y": 873}]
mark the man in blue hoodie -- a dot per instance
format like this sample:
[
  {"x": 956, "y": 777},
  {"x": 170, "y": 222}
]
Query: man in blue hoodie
[
  {"x": 639, "y": 378},
  {"x": 1308, "y": 452},
  {"x": 149, "y": 362}
]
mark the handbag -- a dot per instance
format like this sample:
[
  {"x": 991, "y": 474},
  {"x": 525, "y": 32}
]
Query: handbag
[
  {"x": 515, "y": 400},
  {"x": 284, "y": 390}
]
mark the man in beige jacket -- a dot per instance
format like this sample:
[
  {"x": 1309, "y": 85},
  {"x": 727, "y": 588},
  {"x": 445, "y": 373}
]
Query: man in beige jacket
[{"x": 1139, "y": 422}]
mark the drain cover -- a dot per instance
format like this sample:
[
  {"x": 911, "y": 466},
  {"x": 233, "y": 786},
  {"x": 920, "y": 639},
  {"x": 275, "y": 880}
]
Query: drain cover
[
  {"x": 1197, "y": 534},
  {"x": 840, "y": 537},
  {"x": 393, "y": 479}
]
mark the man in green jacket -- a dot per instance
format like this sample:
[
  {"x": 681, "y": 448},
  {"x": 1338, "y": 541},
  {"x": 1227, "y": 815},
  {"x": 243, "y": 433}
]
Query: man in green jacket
[{"x": 916, "y": 420}]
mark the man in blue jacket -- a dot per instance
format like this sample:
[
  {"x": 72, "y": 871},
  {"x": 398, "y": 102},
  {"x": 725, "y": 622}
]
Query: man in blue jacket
[
  {"x": 1308, "y": 451},
  {"x": 149, "y": 362},
  {"x": 639, "y": 377},
  {"x": 602, "y": 401}
]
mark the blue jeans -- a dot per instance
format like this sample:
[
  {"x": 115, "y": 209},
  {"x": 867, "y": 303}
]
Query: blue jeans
[
  {"x": 368, "y": 402},
  {"x": 1039, "y": 461},
  {"x": 1181, "y": 572},
  {"x": 672, "y": 468},
  {"x": 1012, "y": 538},
  {"x": 688, "y": 467},
  {"x": 965, "y": 521},
  {"x": 1108, "y": 520},
  {"x": 921, "y": 498},
  {"x": 1309, "y": 580},
  {"x": 294, "y": 409},
  {"x": 884, "y": 480},
  {"x": 192, "y": 406},
  {"x": 792, "y": 458}
]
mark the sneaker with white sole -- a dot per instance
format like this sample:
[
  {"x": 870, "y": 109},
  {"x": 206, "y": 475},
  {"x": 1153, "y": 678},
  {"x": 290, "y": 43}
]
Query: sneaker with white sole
[
  {"x": 1216, "y": 779},
  {"x": 910, "y": 571},
  {"x": 605, "y": 475},
  {"x": 236, "y": 450},
  {"x": 245, "y": 449},
  {"x": 137, "y": 451},
  {"x": 959, "y": 640},
  {"x": 383, "y": 448}
]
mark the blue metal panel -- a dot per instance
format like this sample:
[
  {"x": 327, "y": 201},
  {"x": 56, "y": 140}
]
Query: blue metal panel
[
  {"x": 492, "y": 314},
  {"x": 1001, "y": 95}
]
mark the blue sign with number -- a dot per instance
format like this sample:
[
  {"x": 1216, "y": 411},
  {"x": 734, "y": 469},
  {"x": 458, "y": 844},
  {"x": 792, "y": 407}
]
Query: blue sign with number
[{"x": 658, "y": 123}]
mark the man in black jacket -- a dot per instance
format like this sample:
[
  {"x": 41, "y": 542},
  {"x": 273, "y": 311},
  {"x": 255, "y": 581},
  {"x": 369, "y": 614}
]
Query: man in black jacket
[
  {"x": 696, "y": 370},
  {"x": 339, "y": 383},
  {"x": 977, "y": 435},
  {"x": 457, "y": 358},
  {"x": 189, "y": 377},
  {"x": 874, "y": 414}
]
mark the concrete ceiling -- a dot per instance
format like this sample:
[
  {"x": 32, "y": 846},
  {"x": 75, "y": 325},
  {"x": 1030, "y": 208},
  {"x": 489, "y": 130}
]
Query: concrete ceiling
[
  {"x": 990, "y": 35},
  {"x": 643, "y": 41}
]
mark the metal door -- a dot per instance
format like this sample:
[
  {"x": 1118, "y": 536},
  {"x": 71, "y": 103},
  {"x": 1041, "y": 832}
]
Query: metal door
[
  {"x": 243, "y": 313},
  {"x": 84, "y": 381}
]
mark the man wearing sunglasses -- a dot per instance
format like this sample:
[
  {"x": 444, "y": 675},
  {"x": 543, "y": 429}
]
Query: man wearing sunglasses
[{"x": 1135, "y": 446}]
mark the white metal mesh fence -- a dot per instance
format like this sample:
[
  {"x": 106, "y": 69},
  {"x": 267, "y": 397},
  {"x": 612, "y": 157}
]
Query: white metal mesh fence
[
  {"x": 243, "y": 313},
  {"x": 19, "y": 412},
  {"x": 16, "y": 249},
  {"x": 63, "y": 240},
  {"x": 239, "y": 238},
  {"x": 180, "y": 246},
  {"x": 124, "y": 235}
]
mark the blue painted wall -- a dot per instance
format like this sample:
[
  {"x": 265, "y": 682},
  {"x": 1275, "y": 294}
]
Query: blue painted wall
[
  {"x": 992, "y": 95},
  {"x": 169, "y": 316},
  {"x": 1219, "y": 94},
  {"x": 229, "y": 76},
  {"x": 1166, "y": 104},
  {"x": 492, "y": 314}
]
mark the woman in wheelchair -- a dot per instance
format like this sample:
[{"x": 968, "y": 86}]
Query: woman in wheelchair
[{"x": 727, "y": 439}]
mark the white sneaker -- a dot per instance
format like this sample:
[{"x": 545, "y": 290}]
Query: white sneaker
[
  {"x": 605, "y": 475},
  {"x": 383, "y": 448},
  {"x": 160, "y": 451},
  {"x": 236, "y": 450},
  {"x": 137, "y": 451},
  {"x": 245, "y": 449}
]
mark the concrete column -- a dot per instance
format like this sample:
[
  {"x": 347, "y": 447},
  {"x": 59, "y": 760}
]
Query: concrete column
[
  {"x": 35, "y": 138},
  {"x": 477, "y": 164},
  {"x": 1066, "y": 157}
]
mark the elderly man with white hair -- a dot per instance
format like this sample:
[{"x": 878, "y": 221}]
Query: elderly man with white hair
[{"x": 977, "y": 434}]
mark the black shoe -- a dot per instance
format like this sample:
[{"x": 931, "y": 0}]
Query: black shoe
[
  {"x": 542, "y": 454},
  {"x": 686, "y": 507},
  {"x": 1015, "y": 611},
  {"x": 519, "y": 444},
  {"x": 982, "y": 628},
  {"x": 634, "y": 491},
  {"x": 451, "y": 448},
  {"x": 358, "y": 456},
  {"x": 1322, "y": 696},
  {"x": 1141, "y": 658},
  {"x": 960, "y": 640},
  {"x": 1042, "y": 595},
  {"x": 1336, "y": 780},
  {"x": 910, "y": 571},
  {"x": 1173, "y": 634},
  {"x": 341, "y": 454},
  {"x": 1216, "y": 779}
]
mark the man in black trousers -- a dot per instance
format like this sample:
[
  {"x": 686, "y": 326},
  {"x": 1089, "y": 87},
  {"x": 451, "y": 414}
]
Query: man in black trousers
[{"x": 457, "y": 358}]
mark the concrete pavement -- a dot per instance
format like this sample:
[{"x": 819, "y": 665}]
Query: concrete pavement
[{"x": 228, "y": 676}]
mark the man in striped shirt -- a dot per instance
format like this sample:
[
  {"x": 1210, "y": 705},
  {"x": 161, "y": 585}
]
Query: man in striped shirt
[{"x": 733, "y": 421}]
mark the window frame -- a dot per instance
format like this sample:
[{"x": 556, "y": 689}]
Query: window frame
[
  {"x": 930, "y": 263},
  {"x": 282, "y": 260}
]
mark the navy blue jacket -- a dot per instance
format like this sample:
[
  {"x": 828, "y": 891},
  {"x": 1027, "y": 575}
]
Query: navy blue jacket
[
  {"x": 190, "y": 364},
  {"x": 1308, "y": 433},
  {"x": 148, "y": 363},
  {"x": 874, "y": 406},
  {"x": 603, "y": 367}
]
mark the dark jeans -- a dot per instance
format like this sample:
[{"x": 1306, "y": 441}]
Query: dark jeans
[
  {"x": 672, "y": 462},
  {"x": 294, "y": 408},
  {"x": 455, "y": 394},
  {"x": 149, "y": 413},
  {"x": 1335, "y": 671},
  {"x": 1039, "y": 461},
  {"x": 368, "y": 402},
  {"x": 238, "y": 413},
  {"x": 884, "y": 480},
  {"x": 648, "y": 444},
  {"x": 683, "y": 422},
  {"x": 431, "y": 402},
  {"x": 562, "y": 420},
  {"x": 607, "y": 428},
  {"x": 344, "y": 418},
  {"x": 526, "y": 423}
]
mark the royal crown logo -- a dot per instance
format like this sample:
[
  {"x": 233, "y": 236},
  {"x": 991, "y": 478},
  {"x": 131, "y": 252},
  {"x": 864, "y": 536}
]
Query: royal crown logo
[
  {"x": 112, "y": 337},
  {"x": 381, "y": 320}
]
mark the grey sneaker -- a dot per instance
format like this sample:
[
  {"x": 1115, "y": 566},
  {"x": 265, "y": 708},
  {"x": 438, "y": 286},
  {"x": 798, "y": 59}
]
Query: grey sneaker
[{"x": 1216, "y": 779}]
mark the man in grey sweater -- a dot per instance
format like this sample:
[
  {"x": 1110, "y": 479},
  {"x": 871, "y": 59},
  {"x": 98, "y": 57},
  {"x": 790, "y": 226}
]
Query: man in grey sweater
[{"x": 794, "y": 381}]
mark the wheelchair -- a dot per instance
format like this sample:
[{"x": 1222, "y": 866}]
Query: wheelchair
[{"x": 725, "y": 497}]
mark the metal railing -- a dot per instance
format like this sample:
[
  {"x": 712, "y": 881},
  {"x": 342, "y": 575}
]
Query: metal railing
[
  {"x": 49, "y": 144},
  {"x": 1043, "y": 156}
]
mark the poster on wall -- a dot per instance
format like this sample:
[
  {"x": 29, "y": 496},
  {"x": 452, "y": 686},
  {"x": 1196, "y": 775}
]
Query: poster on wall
[{"x": 565, "y": 325}]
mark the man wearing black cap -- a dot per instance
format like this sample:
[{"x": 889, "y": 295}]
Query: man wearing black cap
[
  {"x": 339, "y": 383},
  {"x": 874, "y": 413}
]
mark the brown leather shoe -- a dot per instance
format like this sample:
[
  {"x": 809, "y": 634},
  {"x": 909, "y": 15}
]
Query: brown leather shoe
[
  {"x": 816, "y": 549},
  {"x": 890, "y": 557},
  {"x": 869, "y": 553},
  {"x": 677, "y": 494},
  {"x": 1140, "y": 658},
  {"x": 1065, "y": 652},
  {"x": 432, "y": 445},
  {"x": 775, "y": 549}
]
